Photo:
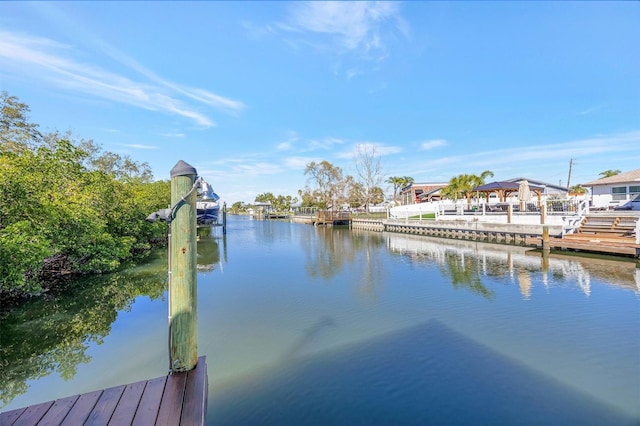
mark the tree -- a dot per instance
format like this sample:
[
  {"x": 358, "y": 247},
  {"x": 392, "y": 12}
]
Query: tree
[
  {"x": 238, "y": 207},
  {"x": 396, "y": 181},
  {"x": 578, "y": 190},
  {"x": 280, "y": 203},
  {"x": 16, "y": 132},
  {"x": 369, "y": 171},
  {"x": 462, "y": 185},
  {"x": 399, "y": 182},
  {"x": 329, "y": 184},
  {"x": 609, "y": 173},
  {"x": 60, "y": 214}
]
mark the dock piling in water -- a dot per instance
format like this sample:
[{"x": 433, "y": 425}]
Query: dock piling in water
[{"x": 183, "y": 312}]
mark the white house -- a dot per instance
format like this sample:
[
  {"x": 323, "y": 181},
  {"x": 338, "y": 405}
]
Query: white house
[{"x": 621, "y": 191}]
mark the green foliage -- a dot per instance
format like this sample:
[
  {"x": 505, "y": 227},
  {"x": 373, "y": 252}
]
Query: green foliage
[
  {"x": 461, "y": 186},
  {"x": 238, "y": 207},
  {"x": 280, "y": 203},
  {"x": 21, "y": 250},
  {"x": 63, "y": 199},
  {"x": 609, "y": 173}
]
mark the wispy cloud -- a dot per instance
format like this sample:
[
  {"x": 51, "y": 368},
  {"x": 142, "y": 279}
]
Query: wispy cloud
[
  {"x": 297, "y": 163},
  {"x": 325, "y": 143},
  {"x": 173, "y": 135},
  {"x": 378, "y": 149},
  {"x": 546, "y": 159},
  {"x": 39, "y": 58},
  {"x": 140, "y": 146},
  {"x": 591, "y": 110},
  {"x": 431, "y": 144},
  {"x": 358, "y": 28}
]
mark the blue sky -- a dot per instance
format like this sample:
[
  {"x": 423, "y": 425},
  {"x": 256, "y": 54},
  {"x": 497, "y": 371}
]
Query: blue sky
[{"x": 249, "y": 93}]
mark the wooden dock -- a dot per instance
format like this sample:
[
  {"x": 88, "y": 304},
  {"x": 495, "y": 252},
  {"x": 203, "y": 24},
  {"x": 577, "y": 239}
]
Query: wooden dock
[
  {"x": 176, "y": 399},
  {"x": 332, "y": 218},
  {"x": 597, "y": 243}
]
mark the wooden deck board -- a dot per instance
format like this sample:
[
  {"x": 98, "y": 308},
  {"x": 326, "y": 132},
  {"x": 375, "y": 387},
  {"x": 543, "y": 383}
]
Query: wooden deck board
[
  {"x": 10, "y": 417},
  {"x": 180, "y": 398},
  {"x": 172, "y": 400},
  {"x": 33, "y": 414},
  {"x": 101, "y": 413},
  {"x": 147, "y": 412},
  {"x": 58, "y": 411},
  {"x": 125, "y": 411},
  {"x": 81, "y": 410}
]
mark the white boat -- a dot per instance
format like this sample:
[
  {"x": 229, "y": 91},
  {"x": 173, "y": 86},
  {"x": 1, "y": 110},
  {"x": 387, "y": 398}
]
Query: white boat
[{"x": 207, "y": 207}]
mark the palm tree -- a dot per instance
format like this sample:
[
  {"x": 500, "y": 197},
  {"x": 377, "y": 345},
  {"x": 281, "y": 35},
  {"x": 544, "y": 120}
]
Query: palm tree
[
  {"x": 578, "y": 190},
  {"x": 609, "y": 173},
  {"x": 462, "y": 185},
  {"x": 399, "y": 182},
  {"x": 396, "y": 181}
]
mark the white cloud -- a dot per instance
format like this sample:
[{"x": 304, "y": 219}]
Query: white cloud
[
  {"x": 284, "y": 146},
  {"x": 435, "y": 143},
  {"x": 361, "y": 29},
  {"x": 43, "y": 59},
  {"x": 325, "y": 143},
  {"x": 297, "y": 163},
  {"x": 140, "y": 146},
  {"x": 547, "y": 160},
  {"x": 356, "y": 25},
  {"x": 379, "y": 148}
]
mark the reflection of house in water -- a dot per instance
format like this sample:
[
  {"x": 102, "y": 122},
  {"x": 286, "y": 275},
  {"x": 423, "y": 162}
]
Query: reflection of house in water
[
  {"x": 518, "y": 263},
  {"x": 524, "y": 281}
]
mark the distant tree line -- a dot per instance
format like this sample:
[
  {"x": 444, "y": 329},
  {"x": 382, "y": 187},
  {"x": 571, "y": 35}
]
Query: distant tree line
[{"x": 67, "y": 206}]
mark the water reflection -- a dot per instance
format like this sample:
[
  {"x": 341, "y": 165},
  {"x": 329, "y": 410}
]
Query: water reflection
[
  {"x": 53, "y": 334},
  {"x": 336, "y": 249},
  {"x": 465, "y": 262},
  {"x": 208, "y": 247}
]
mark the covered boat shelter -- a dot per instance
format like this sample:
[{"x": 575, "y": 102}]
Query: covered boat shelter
[{"x": 505, "y": 189}]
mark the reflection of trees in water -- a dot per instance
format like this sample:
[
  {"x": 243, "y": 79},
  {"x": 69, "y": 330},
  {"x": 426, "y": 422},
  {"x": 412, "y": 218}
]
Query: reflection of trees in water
[
  {"x": 371, "y": 275},
  {"x": 465, "y": 272},
  {"x": 328, "y": 253},
  {"x": 336, "y": 248},
  {"x": 208, "y": 254},
  {"x": 52, "y": 335}
]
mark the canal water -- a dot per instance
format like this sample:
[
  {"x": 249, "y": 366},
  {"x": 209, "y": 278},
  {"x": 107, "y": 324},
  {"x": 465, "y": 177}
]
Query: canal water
[{"x": 304, "y": 325}]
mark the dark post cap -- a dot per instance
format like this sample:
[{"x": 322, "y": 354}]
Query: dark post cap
[{"x": 183, "y": 169}]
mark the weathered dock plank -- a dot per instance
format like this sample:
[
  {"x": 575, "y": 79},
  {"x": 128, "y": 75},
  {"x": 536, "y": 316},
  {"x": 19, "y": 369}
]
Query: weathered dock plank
[
  {"x": 81, "y": 410},
  {"x": 150, "y": 402},
  {"x": 177, "y": 399}
]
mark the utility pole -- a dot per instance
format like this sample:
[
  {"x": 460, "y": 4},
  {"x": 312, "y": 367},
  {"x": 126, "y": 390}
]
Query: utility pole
[{"x": 569, "y": 178}]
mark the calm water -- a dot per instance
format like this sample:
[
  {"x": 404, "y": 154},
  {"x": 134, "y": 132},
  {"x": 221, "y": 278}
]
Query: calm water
[{"x": 331, "y": 326}]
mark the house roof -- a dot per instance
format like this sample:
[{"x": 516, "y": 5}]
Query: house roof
[
  {"x": 627, "y": 177},
  {"x": 539, "y": 183},
  {"x": 508, "y": 185}
]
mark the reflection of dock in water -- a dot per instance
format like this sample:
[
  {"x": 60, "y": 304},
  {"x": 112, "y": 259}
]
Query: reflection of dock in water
[
  {"x": 621, "y": 273},
  {"x": 519, "y": 263}
]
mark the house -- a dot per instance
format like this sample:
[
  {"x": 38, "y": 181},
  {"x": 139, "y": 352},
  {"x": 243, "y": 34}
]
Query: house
[
  {"x": 548, "y": 189},
  {"x": 411, "y": 193},
  {"x": 618, "y": 191}
]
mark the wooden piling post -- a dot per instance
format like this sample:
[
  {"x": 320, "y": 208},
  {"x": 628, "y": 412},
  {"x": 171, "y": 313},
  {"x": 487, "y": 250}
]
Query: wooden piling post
[
  {"x": 183, "y": 312},
  {"x": 509, "y": 210},
  {"x": 545, "y": 238},
  {"x": 224, "y": 218},
  {"x": 543, "y": 214}
]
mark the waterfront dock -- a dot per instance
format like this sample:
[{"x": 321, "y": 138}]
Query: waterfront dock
[
  {"x": 175, "y": 399},
  {"x": 615, "y": 236},
  {"x": 332, "y": 218}
]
